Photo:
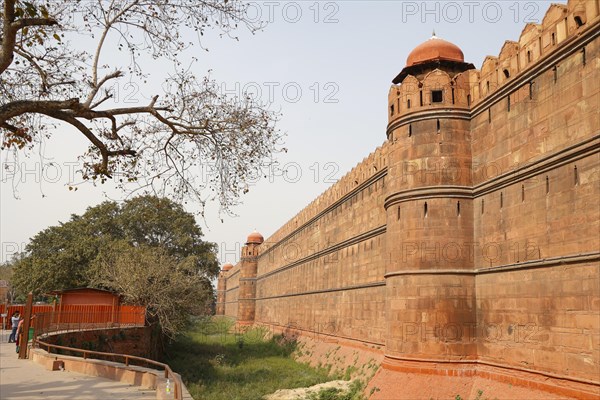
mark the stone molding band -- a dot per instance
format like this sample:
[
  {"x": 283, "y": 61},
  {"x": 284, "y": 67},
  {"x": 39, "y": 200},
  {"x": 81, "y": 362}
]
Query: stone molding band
[
  {"x": 559, "y": 158},
  {"x": 572, "y": 153},
  {"x": 440, "y": 113},
  {"x": 346, "y": 243},
  {"x": 429, "y": 192},
  {"x": 359, "y": 342},
  {"x": 562, "y": 157},
  {"x": 233, "y": 274},
  {"x": 389, "y": 357},
  {"x": 371, "y": 180},
  {"x": 340, "y": 289},
  {"x": 543, "y": 263}
]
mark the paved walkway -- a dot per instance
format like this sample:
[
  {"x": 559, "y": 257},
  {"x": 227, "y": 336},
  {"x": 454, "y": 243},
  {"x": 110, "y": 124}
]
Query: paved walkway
[{"x": 23, "y": 379}]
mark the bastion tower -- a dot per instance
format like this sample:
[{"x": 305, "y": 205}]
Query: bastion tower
[
  {"x": 247, "y": 287},
  {"x": 430, "y": 286}
]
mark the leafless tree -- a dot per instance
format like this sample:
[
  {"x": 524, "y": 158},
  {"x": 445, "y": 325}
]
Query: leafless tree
[
  {"x": 171, "y": 290},
  {"x": 48, "y": 78}
]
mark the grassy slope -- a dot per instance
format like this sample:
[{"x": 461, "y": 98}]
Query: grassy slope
[{"x": 217, "y": 365}]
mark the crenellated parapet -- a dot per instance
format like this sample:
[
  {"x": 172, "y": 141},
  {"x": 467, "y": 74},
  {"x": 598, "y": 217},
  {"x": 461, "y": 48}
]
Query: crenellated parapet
[
  {"x": 375, "y": 163},
  {"x": 537, "y": 42}
]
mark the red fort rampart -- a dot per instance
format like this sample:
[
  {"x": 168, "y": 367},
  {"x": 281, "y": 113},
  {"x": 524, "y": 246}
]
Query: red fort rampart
[{"x": 470, "y": 240}]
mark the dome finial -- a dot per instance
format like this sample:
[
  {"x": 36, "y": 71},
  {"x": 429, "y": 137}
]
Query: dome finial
[
  {"x": 433, "y": 33},
  {"x": 435, "y": 48},
  {"x": 255, "y": 238}
]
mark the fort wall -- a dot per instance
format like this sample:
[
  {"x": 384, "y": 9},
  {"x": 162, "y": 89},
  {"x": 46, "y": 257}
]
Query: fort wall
[
  {"x": 328, "y": 273},
  {"x": 471, "y": 234}
]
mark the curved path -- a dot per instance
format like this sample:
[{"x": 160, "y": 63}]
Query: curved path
[{"x": 23, "y": 379}]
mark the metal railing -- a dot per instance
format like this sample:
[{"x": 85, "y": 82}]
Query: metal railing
[{"x": 169, "y": 374}]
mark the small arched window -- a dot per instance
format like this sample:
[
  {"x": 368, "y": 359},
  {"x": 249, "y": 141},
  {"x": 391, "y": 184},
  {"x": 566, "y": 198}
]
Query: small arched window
[
  {"x": 578, "y": 21},
  {"x": 506, "y": 74}
]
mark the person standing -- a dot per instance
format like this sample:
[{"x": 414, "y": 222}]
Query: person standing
[
  {"x": 14, "y": 320},
  {"x": 20, "y": 334}
]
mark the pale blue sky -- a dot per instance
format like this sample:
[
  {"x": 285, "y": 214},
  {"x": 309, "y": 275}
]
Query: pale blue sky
[{"x": 343, "y": 69}]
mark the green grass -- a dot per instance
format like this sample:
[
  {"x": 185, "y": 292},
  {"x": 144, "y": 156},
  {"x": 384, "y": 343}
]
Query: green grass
[{"x": 218, "y": 365}]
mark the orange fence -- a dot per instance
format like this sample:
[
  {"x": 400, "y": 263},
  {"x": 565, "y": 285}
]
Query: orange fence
[
  {"x": 52, "y": 318},
  {"x": 21, "y": 308}
]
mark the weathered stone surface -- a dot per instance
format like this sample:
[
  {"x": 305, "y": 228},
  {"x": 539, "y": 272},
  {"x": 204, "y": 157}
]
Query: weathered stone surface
[{"x": 473, "y": 233}]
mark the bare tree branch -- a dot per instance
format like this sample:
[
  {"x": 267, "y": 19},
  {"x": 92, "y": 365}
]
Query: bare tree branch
[{"x": 163, "y": 145}]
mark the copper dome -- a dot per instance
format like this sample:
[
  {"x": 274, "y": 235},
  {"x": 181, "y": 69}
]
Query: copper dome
[
  {"x": 227, "y": 267},
  {"x": 255, "y": 238},
  {"x": 435, "y": 49}
]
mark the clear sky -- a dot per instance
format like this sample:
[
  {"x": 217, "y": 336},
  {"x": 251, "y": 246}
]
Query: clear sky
[{"x": 326, "y": 66}]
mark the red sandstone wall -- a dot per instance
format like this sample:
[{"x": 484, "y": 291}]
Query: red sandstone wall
[
  {"x": 232, "y": 291},
  {"x": 525, "y": 291},
  {"x": 544, "y": 319},
  {"x": 538, "y": 134},
  {"x": 328, "y": 273},
  {"x": 539, "y": 189}
]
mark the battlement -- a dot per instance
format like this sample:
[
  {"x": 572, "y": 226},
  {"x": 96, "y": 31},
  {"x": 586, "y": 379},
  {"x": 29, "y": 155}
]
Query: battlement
[{"x": 371, "y": 165}]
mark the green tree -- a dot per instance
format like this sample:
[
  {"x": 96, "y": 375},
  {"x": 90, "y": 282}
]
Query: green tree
[
  {"x": 65, "y": 256},
  {"x": 55, "y": 70}
]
